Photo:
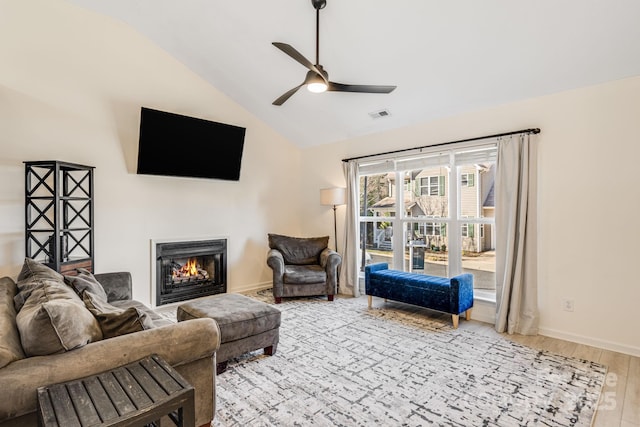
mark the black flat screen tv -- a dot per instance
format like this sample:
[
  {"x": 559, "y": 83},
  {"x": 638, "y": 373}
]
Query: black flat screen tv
[{"x": 176, "y": 145}]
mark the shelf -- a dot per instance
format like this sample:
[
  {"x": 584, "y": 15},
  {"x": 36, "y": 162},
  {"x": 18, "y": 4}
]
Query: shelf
[
  {"x": 63, "y": 198},
  {"x": 66, "y": 227}
]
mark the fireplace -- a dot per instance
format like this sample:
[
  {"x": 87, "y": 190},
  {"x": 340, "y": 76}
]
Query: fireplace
[{"x": 190, "y": 269}]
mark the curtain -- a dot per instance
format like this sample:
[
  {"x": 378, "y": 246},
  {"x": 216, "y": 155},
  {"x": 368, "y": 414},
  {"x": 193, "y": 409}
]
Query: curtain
[
  {"x": 350, "y": 264},
  {"x": 516, "y": 243}
]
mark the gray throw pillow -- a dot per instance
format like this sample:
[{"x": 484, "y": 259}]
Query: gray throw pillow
[
  {"x": 54, "y": 319},
  {"x": 116, "y": 321},
  {"x": 85, "y": 281},
  {"x": 32, "y": 270},
  {"x": 30, "y": 276}
]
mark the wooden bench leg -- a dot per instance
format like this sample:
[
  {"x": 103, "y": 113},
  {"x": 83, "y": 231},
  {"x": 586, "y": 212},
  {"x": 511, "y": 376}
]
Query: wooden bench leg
[
  {"x": 467, "y": 314},
  {"x": 456, "y": 319},
  {"x": 370, "y": 298}
]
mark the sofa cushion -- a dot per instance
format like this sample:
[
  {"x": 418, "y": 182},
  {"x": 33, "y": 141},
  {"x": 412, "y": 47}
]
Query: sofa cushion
[
  {"x": 10, "y": 346},
  {"x": 84, "y": 281},
  {"x": 304, "y": 274},
  {"x": 116, "y": 321},
  {"x": 54, "y": 319},
  {"x": 29, "y": 278},
  {"x": 299, "y": 250}
]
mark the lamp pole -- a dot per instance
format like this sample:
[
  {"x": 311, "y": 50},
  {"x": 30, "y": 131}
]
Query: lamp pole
[
  {"x": 335, "y": 228},
  {"x": 333, "y": 197}
]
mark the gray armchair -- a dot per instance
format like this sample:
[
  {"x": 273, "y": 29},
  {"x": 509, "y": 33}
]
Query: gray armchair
[{"x": 302, "y": 266}]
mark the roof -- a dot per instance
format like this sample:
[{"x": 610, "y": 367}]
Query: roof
[
  {"x": 489, "y": 201},
  {"x": 390, "y": 202}
]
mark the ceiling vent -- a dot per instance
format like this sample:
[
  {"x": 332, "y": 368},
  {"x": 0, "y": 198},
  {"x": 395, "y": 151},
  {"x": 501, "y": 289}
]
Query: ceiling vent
[{"x": 379, "y": 114}]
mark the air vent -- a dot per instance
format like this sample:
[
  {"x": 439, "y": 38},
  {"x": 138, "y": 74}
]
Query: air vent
[{"x": 379, "y": 114}]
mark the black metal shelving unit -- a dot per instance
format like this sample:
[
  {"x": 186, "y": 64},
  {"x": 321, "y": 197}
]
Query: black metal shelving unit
[{"x": 59, "y": 214}]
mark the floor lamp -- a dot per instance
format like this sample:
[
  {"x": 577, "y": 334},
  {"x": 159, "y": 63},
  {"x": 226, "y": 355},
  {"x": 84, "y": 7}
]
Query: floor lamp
[{"x": 333, "y": 197}]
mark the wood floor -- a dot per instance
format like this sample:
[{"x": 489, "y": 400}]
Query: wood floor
[{"x": 620, "y": 399}]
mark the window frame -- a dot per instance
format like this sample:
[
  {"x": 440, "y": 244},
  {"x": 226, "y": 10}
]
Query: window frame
[{"x": 451, "y": 161}]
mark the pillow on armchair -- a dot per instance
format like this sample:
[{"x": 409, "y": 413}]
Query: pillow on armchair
[{"x": 299, "y": 250}]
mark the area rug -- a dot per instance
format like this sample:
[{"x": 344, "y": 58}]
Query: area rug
[{"x": 341, "y": 364}]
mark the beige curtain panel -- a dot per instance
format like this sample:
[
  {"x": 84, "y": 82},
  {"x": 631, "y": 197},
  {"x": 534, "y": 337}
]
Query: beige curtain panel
[{"x": 516, "y": 244}]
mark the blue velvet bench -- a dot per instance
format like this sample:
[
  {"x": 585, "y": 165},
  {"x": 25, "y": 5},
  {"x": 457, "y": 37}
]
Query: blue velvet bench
[{"x": 453, "y": 296}]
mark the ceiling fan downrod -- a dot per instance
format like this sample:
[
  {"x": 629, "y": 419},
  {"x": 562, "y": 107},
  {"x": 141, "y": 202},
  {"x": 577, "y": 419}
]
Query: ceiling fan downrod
[{"x": 318, "y": 4}]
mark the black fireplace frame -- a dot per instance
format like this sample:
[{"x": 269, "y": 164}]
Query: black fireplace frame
[{"x": 185, "y": 249}]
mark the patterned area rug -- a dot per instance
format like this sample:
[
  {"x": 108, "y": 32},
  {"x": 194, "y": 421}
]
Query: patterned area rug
[{"x": 340, "y": 364}]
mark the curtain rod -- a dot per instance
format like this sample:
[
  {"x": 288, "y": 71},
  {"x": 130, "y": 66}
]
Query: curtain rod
[{"x": 533, "y": 131}]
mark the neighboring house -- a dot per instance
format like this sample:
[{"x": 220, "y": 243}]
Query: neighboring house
[{"x": 425, "y": 197}]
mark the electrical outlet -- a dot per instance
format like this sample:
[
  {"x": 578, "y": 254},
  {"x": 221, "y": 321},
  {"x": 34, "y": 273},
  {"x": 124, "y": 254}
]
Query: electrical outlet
[{"x": 568, "y": 304}]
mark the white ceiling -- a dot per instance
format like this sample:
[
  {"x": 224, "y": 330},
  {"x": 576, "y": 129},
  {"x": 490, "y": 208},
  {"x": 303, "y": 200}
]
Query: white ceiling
[{"x": 446, "y": 57}]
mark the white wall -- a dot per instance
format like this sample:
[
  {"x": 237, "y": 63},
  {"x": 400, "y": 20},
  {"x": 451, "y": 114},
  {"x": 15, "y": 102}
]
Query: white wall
[
  {"x": 71, "y": 87},
  {"x": 589, "y": 199}
]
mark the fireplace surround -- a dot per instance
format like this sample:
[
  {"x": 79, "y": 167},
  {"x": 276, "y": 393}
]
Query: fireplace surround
[{"x": 189, "y": 269}]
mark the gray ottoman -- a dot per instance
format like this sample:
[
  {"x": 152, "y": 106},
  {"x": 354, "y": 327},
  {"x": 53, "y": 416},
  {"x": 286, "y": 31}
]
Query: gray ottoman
[{"x": 245, "y": 324}]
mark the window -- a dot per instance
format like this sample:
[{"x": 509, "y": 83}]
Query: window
[
  {"x": 447, "y": 226},
  {"x": 468, "y": 230},
  {"x": 432, "y": 186},
  {"x": 434, "y": 229}
]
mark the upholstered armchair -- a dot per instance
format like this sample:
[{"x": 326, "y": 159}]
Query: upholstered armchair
[{"x": 302, "y": 266}]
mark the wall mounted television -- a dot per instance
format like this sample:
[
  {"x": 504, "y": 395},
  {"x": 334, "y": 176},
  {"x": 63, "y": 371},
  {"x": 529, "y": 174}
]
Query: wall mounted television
[{"x": 176, "y": 145}]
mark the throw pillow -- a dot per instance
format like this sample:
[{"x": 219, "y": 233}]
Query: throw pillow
[
  {"x": 85, "y": 281},
  {"x": 29, "y": 278},
  {"x": 53, "y": 319},
  {"x": 116, "y": 321},
  {"x": 299, "y": 250},
  {"x": 10, "y": 346},
  {"x": 32, "y": 270}
]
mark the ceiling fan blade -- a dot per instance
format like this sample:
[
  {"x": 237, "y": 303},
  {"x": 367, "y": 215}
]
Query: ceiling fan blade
[
  {"x": 340, "y": 87},
  {"x": 290, "y": 50},
  {"x": 287, "y": 95}
]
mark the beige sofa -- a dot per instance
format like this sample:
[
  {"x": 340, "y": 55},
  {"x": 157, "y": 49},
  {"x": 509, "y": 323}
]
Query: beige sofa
[{"x": 187, "y": 346}]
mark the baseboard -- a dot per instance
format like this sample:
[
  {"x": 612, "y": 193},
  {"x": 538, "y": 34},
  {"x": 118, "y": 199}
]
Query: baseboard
[
  {"x": 250, "y": 287},
  {"x": 594, "y": 342}
]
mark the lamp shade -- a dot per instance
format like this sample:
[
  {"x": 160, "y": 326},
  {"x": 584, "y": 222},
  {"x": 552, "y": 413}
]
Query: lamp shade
[{"x": 332, "y": 196}]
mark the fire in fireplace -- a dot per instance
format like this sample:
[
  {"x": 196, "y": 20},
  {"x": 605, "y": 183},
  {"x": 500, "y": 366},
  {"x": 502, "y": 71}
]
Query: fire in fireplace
[{"x": 192, "y": 269}]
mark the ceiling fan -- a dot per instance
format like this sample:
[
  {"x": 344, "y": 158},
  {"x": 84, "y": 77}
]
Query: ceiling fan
[{"x": 317, "y": 79}]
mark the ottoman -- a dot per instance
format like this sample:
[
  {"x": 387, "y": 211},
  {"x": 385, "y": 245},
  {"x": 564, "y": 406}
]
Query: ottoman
[{"x": 245, "y": 324}]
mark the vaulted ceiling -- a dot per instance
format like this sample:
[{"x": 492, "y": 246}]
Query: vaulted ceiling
[{"x": 445, "y": 57}]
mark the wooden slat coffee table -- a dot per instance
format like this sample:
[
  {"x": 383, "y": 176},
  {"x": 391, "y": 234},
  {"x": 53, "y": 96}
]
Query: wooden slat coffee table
[{"x": 133, "y": 395}]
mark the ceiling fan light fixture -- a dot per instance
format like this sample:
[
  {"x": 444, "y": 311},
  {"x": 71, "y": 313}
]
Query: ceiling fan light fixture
[
  {"x": 317, "y": 87},
  {"x": 316, "y": 84}
]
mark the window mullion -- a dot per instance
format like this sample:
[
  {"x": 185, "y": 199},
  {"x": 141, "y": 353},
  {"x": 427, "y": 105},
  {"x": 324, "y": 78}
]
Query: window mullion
[
  {"x": 455, "y": 229},
  {"x": 398, "y": 224}
]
